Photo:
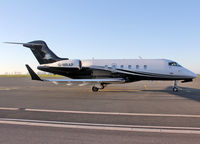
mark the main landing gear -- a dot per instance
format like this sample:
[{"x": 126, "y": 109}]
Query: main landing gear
[
  {"x": 96, "y": 89},
  {"x": 175, "y": 88}
]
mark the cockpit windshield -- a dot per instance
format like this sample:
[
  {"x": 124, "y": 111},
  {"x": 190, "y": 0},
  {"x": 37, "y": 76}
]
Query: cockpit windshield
[{"x": 174, "y": 64}]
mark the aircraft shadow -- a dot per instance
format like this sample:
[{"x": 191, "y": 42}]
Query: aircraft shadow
[{"x": 185, "y": 92}]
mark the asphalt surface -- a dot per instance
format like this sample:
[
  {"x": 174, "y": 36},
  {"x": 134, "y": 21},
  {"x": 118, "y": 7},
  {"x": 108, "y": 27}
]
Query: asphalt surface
[{"x": 141, "y": 112}]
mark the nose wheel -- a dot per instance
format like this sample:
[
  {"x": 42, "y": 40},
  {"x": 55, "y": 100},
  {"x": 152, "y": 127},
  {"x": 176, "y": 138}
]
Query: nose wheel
[{"x": 175, "y": 88}]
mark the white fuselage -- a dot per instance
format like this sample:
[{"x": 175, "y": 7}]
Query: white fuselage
[{"x": 154, "y": 66}]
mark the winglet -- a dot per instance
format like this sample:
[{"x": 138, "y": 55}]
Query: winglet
[{"x": 34, "y": 76}]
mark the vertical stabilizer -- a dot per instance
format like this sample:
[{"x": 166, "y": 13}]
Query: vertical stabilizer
[{"x": 41, "y": 51}]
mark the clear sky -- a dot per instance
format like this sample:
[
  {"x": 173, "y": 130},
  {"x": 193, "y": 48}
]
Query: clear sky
[{"x": 85, "y": 29}]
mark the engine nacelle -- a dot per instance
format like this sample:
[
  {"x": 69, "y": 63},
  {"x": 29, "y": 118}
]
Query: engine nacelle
[
  {"x": 66, "y": 63},
  {"x": 71, "y": 64}
]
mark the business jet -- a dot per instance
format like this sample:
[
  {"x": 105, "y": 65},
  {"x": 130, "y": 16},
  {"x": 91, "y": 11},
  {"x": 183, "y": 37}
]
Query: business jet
[{"x": 101, "y": 72}]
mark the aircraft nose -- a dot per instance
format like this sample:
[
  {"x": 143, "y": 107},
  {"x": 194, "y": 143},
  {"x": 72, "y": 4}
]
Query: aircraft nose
[
  {"x": 190, "y": 74},
  {"x": 193, "y": 75}
]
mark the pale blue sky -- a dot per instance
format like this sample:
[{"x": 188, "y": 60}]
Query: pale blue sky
[{"x": 101, "y": 29}]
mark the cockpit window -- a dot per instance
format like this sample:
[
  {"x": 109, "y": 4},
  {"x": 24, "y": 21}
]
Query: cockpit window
[{"x": 174, "y": 64}]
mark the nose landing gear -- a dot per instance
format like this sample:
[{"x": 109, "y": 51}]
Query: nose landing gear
[{"x": 175, "y": 88}]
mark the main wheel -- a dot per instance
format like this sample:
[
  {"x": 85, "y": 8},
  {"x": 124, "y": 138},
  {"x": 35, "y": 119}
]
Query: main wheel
[
  {"x": 175, "y": 89},
  {"x": 95, "y": 89}
]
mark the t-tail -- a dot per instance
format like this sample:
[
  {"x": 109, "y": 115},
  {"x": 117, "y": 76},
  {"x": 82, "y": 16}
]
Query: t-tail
[{"x": 41, "y": 51}]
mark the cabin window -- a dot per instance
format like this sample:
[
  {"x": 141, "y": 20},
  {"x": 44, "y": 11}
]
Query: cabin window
[
  {"x": 122, "y": 66},
  {"x": 137, "y": 66},
  {"x": 145, "y": 67},
  {"x": 114, "y": 66},
  {"x": 129, "y": 66}
]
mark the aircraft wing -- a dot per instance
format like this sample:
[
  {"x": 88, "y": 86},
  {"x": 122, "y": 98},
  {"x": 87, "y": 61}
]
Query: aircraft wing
[
  {"x": 34, "y": 76},
  {"x": 82, "y": 82}
]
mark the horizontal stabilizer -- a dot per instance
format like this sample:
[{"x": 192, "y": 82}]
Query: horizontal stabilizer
[
  {"x": 25, "y": 44},
  {"x": 34, "y": 76},
  {"x": 41, "y": 51}
]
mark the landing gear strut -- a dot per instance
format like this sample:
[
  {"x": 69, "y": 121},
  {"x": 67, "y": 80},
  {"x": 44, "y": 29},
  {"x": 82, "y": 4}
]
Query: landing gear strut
[
  {"x": 96, "y": 89},
  {"x": 175, "y": 88}
]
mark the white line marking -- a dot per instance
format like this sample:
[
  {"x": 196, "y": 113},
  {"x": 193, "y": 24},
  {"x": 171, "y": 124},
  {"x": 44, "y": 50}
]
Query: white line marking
[
  {"x": 103, "y": 113},
  {"x": 7, "y": 89},
  {"x": 114, "y": 113},
  {"x": 92, "y": 126},
  {"x": 6, "y": 108}
]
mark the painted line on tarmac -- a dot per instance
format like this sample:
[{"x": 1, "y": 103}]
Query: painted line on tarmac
[
  {"x": 93, "y": 126},
  {"x": 114, "y": 113},
  {"x": 117, "y": 90},
  {"x": 7, "y": 89},
  {"x": 7, "y": 108},
  {"x": 102, "y": 113}
]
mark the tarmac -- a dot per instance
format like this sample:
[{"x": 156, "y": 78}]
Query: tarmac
[{"x": 141, "y": 112}]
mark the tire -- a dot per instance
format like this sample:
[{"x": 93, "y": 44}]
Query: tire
[
  {"x": 175, "y": 89},
  {"x": 95, "y": 89}
]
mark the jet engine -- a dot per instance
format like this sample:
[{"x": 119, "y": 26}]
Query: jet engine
[
  {"x": 65, "y": 64},
  {"x": 70, "y": 63}
]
